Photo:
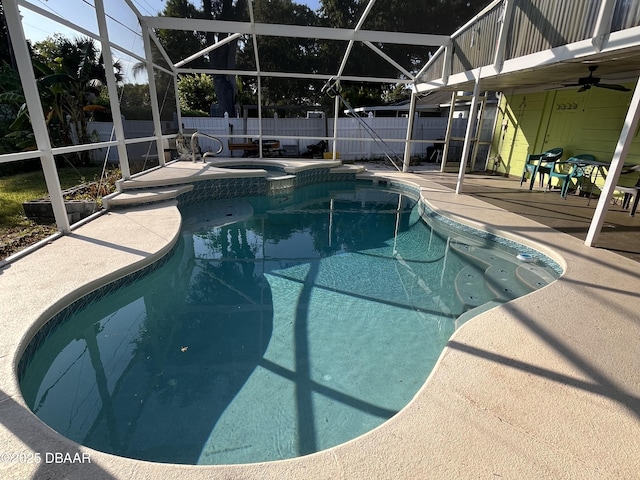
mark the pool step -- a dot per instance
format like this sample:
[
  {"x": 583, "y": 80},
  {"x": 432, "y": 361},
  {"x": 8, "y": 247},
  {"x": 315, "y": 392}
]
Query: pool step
[
  {"x": 130, "y": 198},
  {"x": 502, "y": 280},
  {"x": 471, "y": 287},
  {"x": 492, "y": 277},
  {"x": 533, "y": 276},
  {"x": 435, "y": 297}
]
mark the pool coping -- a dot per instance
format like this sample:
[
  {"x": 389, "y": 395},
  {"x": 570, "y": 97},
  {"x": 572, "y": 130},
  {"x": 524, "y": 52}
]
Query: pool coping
[{"x": 544, "y": 386}]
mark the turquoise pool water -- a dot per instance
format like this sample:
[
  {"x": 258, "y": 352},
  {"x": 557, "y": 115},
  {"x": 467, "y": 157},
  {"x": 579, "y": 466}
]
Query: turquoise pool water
[{"x": 278, "y": 327}]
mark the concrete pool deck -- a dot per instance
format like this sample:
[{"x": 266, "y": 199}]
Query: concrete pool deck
[{"x": 546, "y": 386}]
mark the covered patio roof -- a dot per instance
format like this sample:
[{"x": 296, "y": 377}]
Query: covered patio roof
[
  {"x": 550, "y": 70},
  {"x": 608, "y": 37},
  {"x": 516, "y": 46}
]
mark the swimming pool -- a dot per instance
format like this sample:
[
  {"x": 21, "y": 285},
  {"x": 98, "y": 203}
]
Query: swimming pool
[{"x": 284, "y": 325}]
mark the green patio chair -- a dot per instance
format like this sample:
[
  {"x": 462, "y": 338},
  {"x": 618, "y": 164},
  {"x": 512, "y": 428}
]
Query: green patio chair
[
  {"x": 565, "y": 171},
  {"x": 540, "y": 164}
]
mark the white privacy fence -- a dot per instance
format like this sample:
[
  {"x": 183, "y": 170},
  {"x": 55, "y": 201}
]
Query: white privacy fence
[
  {"x": 103, "y": 131},
  {"x": 364, "y": 138},
  {"x": 357, "y": 138}
]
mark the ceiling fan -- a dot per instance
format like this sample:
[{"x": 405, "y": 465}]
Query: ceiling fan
[{"x": 585, "y": 83}]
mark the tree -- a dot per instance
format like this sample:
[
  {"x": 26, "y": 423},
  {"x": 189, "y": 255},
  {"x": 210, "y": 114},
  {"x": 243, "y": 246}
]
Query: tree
[
  {"x": 71, "y": 77},
  {"x": 6, "y": 50},
  {"x": 412, "y": 16},
  {"x": 310, "y": 55},
  {"x": 397, "y": 93},
  {"x": 182, "y": 44},
  {"x": 283, "y": 54},
  {"x": 449, "y": 15},
  {"x": 135, "y": 102},
  {"x": 224, "y": 58},
  {"x": 179, "y": 45},
  {"x": 196, "y": 92},
  {"x": 15, "y": 135}
]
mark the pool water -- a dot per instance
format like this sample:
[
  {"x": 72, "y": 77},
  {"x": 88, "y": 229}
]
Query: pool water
[
  {"x": 279, "y": 327},
  {"x": 267, "y": 167}
]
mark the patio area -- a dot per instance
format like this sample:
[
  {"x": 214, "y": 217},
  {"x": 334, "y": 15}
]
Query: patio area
[{"x": 620, "y": 233}]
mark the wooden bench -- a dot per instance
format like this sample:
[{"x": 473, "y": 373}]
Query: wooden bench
[
  {"x": 248, "y": 148},
  {"x": 270, "y": 148}
]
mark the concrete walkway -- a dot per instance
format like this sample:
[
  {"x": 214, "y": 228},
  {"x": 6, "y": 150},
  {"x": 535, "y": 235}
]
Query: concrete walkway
[{"x": 546, "y": 386}]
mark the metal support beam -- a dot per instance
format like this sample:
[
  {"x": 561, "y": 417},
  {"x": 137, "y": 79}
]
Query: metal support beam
[
  {"x": 112, "y": 88},
  {"x": 358, "y": 27},
  {"x": 76, "y": 28},
  {"x": 38, "y": 123},
  {"x": 310, "y": 76},
  {"x": 256, "y": 57},
  {"x": 411, "y": 120},
  {"x": 507, "y": 15},
  {"x": 629, "y": 129},
  {"x": 153, "y": 93},
  {"x": 447, "y": 137},
  {"x": 295, "y": 31},
  {"x": 153, "y": 36},
  {"x": 603, "y": 24},
  {"x": 478, "y": 131},
  {"x": 446, "y": 65},
  {"x": 178, "y": 109},
  {"x": 259, "y": 116},
  {"x": 473, "y": 114},
  {"x": 336, "y": 111},
  {"x": 427, "y": 65},
  {"x": 390, "y": 60},
  {"x": 210, "y": 48}
]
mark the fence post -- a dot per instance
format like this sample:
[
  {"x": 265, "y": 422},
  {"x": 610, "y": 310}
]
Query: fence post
[{"x": 369, "y": 149}]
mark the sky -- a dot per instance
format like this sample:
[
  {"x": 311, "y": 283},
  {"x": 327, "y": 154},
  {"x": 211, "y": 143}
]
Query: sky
[{"x": 121, "y": 23}]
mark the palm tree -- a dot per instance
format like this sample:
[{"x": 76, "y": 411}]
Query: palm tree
[{"x": 70, "y": 75}]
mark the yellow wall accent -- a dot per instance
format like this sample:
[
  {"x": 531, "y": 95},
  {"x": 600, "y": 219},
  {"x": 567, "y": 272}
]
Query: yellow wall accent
[{"x": 585, "y": 122}]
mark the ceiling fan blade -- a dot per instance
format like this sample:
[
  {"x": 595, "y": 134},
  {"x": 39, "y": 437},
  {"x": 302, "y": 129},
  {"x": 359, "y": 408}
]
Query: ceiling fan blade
[
  {"x": 620, "y": 88},
  {"x": 585, "y": 83}
]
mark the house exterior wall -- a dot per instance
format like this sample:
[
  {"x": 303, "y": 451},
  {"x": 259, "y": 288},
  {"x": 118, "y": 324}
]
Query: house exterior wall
[{"x": 586, "y": 122}]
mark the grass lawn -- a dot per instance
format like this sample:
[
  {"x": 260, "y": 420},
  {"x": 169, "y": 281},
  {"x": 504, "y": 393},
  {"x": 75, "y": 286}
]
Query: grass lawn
[
  {"x": 30, "y": 186},
  {"x": 16, "y": 231}
]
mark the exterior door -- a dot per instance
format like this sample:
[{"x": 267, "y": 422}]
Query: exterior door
[{"x": 560, "y": 118}]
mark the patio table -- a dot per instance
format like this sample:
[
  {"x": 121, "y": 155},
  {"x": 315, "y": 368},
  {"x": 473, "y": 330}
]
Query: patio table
[{"x": 592, "y": 169}]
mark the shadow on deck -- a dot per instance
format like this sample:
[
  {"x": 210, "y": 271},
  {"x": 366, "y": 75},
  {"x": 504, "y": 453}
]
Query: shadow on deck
[{"x": 620, "y": 232}]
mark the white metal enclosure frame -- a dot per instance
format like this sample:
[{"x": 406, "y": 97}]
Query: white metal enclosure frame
[
  {"x": 178, "y": 66},
  {"x": 486, "y": 67}
]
